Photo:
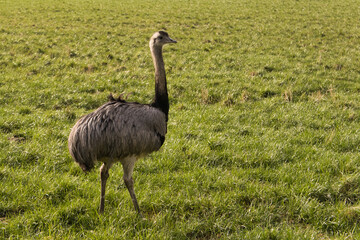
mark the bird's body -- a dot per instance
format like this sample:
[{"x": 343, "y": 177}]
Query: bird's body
[
  {"x": 121, "y": 131},
  {"x": 115, "y": 131}
]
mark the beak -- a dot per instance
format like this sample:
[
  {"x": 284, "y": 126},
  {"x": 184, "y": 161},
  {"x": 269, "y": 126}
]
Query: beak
[{"x": 172, "y": 40}]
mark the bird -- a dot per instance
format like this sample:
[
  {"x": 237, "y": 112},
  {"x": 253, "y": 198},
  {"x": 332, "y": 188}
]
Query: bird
[{"x": 122, "y": 131}]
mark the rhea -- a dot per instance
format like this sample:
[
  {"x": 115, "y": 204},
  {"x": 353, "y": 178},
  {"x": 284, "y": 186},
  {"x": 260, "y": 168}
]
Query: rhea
[{"x": 121, "y": 131}]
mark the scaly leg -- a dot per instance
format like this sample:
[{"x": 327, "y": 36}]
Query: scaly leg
[
  {"x": 128, "y": 166},
  {"x": 104, "y": 174}
]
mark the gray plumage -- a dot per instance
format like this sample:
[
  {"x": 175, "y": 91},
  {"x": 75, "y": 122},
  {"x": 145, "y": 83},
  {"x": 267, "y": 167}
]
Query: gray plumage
[
  {"x": 121, "y": 131},
  {"x": 117, "y": 130}
]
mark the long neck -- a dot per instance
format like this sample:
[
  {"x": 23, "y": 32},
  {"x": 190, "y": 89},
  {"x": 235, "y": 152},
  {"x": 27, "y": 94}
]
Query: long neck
[{"x": 161, "y": 100}]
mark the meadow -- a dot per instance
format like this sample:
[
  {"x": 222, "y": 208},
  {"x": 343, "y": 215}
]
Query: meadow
[{"x": 263, "y": 135}]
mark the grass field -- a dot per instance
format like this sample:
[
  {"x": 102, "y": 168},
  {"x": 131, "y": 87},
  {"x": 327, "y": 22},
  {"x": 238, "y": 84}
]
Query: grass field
[{"x": 264, "y": 129}]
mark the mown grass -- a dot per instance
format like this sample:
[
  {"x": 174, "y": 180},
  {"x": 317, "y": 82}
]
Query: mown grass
[{"x": 263, "y": 139}]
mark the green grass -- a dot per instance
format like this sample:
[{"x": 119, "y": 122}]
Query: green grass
[{"x": 264, "y": 131}]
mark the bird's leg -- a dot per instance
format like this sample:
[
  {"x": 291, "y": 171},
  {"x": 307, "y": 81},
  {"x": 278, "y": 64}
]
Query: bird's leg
[
  {"x": 129, "y": 182},
  {"x": 128, "y": 167},
  {"x": 104, "y": 174}
]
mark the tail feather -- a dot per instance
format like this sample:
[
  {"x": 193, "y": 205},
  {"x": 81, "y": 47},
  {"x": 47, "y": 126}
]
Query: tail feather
[{"x": 119, "y": 99}]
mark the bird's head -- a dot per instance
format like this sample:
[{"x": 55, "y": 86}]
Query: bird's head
[{"x": 160, "y": 38}]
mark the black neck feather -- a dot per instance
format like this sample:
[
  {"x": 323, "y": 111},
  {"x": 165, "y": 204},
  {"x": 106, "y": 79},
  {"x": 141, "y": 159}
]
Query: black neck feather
[{"x": 162, "y": 102}]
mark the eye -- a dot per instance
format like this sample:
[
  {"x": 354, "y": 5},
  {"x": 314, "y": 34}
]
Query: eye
[{"x": 160, "y": 37}]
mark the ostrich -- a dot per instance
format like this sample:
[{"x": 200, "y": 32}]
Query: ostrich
[{"x": 121, "y": 131}]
